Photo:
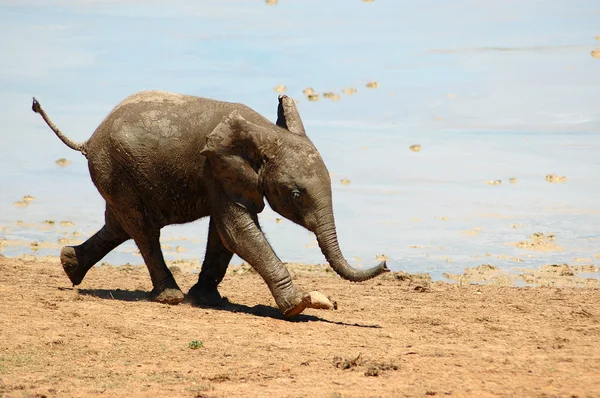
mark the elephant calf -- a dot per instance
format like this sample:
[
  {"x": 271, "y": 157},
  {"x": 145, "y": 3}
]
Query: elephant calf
[{"x": 161, "y": 158}]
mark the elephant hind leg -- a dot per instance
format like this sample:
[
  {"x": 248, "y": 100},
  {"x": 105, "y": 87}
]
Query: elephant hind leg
[
  {"x": 214, "y": 267},
  {"x": 78, "y": 260},
  {"x": 165, "y": 289}
]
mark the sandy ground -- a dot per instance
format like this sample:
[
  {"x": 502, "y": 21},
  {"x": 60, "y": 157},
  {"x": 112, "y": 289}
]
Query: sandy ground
[{"x": 398, "y": 335}]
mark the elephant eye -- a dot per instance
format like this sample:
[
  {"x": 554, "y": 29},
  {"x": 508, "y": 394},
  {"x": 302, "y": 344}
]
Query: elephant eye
[{"x": 295, "y": 194}]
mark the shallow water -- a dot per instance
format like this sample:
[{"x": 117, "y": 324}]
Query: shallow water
[{"x": 491, "y": 90}]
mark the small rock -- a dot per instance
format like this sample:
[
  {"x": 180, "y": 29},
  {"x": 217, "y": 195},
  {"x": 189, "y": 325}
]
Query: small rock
[
  {"x": 280, "y": 88},
  {"x": 331, "y": 96},
  {"x": 62, "y": 162},
  {"x": 553, "y": 178},
  {"x": 415, "y": 147},
  {"x": 373, "y": 84},
  {"x": 493, "y": 182},
  {"x": 349, "y": 91},
  {"x": 345, "y": 181}
]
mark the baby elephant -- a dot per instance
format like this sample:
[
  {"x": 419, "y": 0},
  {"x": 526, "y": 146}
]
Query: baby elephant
[{"x": 161, "y": 158}]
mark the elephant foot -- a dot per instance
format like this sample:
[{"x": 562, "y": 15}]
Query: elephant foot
[
  {"x": 71, "y": 265},
  {"x": 170, "y": 295},
  {"x": 203, "y": 296},
  {"x": 313, "y": 299}
]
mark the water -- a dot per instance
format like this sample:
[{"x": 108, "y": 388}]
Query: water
[{"x": 491, "y": 90}]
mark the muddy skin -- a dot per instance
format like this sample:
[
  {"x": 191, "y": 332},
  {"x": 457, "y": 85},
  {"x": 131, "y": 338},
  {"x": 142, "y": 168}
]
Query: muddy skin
[{"x": 161, "y": 158}]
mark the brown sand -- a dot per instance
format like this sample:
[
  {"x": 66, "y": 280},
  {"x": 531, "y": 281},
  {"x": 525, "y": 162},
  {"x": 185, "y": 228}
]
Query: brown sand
[{"x": 398, "y": 335}]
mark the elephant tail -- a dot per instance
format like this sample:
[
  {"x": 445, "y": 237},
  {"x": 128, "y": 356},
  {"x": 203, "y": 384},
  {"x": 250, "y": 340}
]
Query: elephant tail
[{"x": 78, "y": 146}]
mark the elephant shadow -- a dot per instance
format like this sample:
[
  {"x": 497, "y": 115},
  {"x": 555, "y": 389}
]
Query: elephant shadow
[{"x": 259, "y": 310}]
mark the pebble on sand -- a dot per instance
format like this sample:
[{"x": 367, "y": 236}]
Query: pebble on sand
[
  {"x": 280, "y": 88},
  {"x": 415, "y": 147}
]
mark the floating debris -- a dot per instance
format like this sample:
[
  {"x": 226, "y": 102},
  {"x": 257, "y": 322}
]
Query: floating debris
[
  {"x": 596, "y": 53},
  {"x": 62, "y": 162},
  {"x": 271, "y": 2},
  {"x": 308, "y": 91},
  {"x": 513, "y": 180},
  {"x": 345, "y": 181},
  {"x": 49, "y": 222},
  {"x": 493, "y": 182},
  {"x": 373, "y": 84},
  {"x": 313, "y": 97},
  {"x": 280, "y": 88},
  {"x": 553, "y": 178},
  {"x": 331, "y": 96},
  {"x": 28, "y": 198},
  {"x": 415, "y": 147},
  {"x": 67, "y": 223},
  {"x": 349, "y": 91},
  {"x": 278, "y": 220}
]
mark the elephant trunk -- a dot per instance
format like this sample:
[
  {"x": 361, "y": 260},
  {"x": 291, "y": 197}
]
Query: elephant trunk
[{"x": 327, "y": 238}]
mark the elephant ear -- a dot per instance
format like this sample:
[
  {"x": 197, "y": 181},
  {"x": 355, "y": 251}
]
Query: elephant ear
[
  {"x": 233, "y": 154},
  {"x": 288, "y": 116}
]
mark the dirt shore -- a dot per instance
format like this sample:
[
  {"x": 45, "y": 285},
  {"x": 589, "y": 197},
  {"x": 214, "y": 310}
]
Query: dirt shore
[{"x": 393, "y": 336}]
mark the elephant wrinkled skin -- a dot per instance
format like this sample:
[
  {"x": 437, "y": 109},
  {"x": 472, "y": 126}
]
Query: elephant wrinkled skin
[{"x": 161, "y": 158}]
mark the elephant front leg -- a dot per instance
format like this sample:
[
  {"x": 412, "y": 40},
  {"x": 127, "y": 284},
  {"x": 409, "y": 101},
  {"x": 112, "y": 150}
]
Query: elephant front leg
[
  {"x": 214, "y": 267},
  {"x": 240, "y": 232}
]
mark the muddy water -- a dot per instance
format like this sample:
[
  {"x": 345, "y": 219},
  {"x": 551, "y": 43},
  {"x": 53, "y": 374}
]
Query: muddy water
[{"x": 490, "y": 92}]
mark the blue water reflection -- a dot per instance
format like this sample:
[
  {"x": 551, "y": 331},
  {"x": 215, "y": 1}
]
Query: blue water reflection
[{"x": 491, "y": 90}]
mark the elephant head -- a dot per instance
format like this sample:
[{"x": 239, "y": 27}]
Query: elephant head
[{"x": 279, "y": 162}]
